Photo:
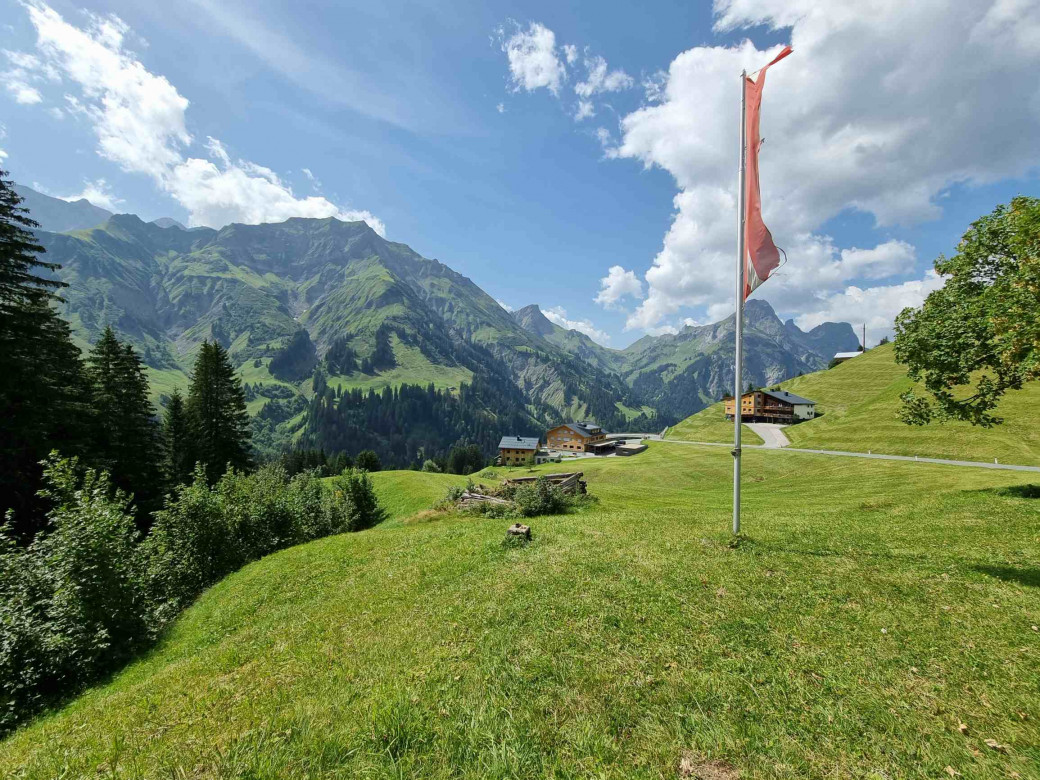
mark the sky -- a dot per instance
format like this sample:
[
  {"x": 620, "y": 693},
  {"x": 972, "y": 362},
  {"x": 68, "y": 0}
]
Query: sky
[{"x": 580, "y": 156}]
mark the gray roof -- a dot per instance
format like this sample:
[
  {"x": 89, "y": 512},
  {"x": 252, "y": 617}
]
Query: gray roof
[
  {"x": 583, "y": 428},
  {"x": 846, "y": 355},
  {"x": 791, "y": 398},
  {"x": 518, "y": 443}
]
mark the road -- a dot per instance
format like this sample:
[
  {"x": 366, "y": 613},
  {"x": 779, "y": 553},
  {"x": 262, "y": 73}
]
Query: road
[
  {"x": 772, "y": 435},
  {"x": 870, "y": 456}
]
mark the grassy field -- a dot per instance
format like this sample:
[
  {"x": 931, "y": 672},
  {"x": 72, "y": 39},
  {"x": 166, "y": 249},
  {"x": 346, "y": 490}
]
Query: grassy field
[
  {"x": 872, "y": 609},
  {"x": 858, "y": 402},
  {"x": 405, "y": 493},
  {"x": 710, "y": 425}
]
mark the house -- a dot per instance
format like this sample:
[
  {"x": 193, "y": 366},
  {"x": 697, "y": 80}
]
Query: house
[
  {"x": 775, "y": 406},
  {"x": 517, "y": 450},
  {"x": 577, "y": 437},
  {"x": 841, "y": 357}
]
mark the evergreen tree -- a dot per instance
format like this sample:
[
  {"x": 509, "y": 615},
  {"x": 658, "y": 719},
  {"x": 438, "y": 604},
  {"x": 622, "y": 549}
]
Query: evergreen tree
[
  {"x": 177, "y": 462},
  {"x": 216, "y": 410},
  {"x": 126, "y": 436},
  {"x": 41, "y": 381}
]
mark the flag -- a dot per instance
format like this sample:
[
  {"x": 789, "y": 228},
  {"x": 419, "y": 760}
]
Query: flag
[{"x": 762, "y": 256}]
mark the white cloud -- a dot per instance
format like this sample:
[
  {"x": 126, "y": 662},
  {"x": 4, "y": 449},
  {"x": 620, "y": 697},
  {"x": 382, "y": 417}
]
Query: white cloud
[
  {"x": 876, "y": 307},
  {"x": 139, "y": 120},
  {"x": 617, "y": 284},
  {"x": 570, "y": 51},
  {"x": 533, "y": 60},
  {"x": 97, "y": 192},
  {"x": 880, "y": 108},
  {"x": 3, "y": 155},
  {"x": 501, "y": 108},
  {"x": 558, "y": 315},
  {"x": 504, "y": 305},
  {"x": 601, "y": 79},
  {"x": 584, "y": 110}
]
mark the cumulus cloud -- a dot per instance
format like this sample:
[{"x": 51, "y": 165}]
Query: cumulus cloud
[
  {"x": 97, "y": 192},
  {"x": 558, "y": 315},
  {"x": 139, "y": 120},
  {"x": 533, "y": 58},
  {"x": 600, "y": 78},
  {"x": 616, "y": 285},
  {"x": 585, "y": 110},
  {"x": 879, "y": 110},
  {"x": 504, "y": 305}
]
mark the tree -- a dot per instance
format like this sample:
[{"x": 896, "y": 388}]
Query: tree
[
  {"x": 126, "y": 437},
  {"x": 216, "y": 411},
  {"x": 42, "y": 392},
  {"x": 978, "y": 336},
  {"x": 367, "y": 460},
  {"x": 177, "y": 462}
]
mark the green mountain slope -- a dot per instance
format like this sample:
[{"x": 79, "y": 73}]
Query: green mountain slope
[
  {"x": 843, "y": 634},
  {"x": 681, "y": 373},
  {"x": 857, "y": 403}
]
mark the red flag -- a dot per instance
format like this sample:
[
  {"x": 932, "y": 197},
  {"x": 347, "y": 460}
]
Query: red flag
[{"x": 762, "y": 255}]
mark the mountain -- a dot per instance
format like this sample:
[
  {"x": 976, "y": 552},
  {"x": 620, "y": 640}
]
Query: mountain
[
  {"x": 322, "y": 295},
  {"x": 59, "y": 216},
  {"x": 168, "y": 222},
  {"x": 679, "y": 374}
]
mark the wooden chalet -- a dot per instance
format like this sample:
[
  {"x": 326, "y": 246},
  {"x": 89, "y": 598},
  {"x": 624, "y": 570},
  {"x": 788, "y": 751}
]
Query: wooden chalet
[
  {"x": 577, "y": 437},
  {"x": 774, "y": 406}
]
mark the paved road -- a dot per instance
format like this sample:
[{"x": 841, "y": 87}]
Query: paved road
[
  {"x": 773, "y": 435},
  {"x": 871, "y": 456}
]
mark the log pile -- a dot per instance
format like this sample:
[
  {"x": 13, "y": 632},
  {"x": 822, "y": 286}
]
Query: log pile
[
  {"x": 570, "y": 482},
  {"x": 470, "y": 498}
]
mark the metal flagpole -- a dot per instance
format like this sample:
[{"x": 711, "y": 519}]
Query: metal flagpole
[{"x": 739, "y": 316}]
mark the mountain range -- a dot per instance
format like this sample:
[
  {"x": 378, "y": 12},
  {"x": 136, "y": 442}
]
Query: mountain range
[{"x": 305, "y": 297}]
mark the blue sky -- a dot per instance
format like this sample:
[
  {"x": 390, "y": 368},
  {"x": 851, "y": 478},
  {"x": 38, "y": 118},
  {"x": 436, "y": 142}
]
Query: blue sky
[{"x": 454, "y": 126}]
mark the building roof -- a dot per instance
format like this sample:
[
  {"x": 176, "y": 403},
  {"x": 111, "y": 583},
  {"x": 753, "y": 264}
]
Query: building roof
[
  {"x": 518, "y": 443},
  {"x": 846, "y": 355},
  {"x": 582, "y": 428},
  {"x": 791, "y": 398}
]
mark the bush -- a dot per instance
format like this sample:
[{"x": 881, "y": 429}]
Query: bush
[
  {"x": 367, "y": 460},
  {"x": 356, "y": 501},
  {"x": 71, "y": 603},
  {"x": 431, "y": 466},
  {"x": 540, "y": 498}
]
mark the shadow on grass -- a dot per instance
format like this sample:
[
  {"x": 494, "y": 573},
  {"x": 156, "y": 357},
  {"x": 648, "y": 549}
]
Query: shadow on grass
[
  {"x": 1029, "y": 577},
  {"x": 1012, "y": 491}
]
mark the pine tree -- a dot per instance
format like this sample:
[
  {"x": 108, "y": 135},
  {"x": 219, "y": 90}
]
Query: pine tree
[
  {"x": 41, "y": 381},
  {"x": 126, "y": 436},
  {"x": 216, "y": 411},
  {"x": 176, "y": 439}
]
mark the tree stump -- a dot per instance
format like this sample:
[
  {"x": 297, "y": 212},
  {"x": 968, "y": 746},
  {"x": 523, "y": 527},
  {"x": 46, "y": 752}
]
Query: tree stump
[{"x": 517, "y": 530}]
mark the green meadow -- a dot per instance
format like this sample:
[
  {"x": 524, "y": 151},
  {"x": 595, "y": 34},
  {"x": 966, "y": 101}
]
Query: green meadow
[
  {"x": 872, "y": 609},
  {"x": 858, "y": 403}
]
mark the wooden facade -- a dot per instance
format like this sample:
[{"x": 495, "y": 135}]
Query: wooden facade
[
  {"x": 775, "y": 406},
  {"x": 517, "y": 451},
  {"x": 575, "y": 437}
]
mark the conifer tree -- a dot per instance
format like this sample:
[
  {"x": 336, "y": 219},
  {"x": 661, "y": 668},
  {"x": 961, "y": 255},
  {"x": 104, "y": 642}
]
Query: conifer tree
[
  {"x": 41, "y": 380},
  {"x": 176, "y": 439},
  {"x": 126, "y": 436},
  {"x": 216, "y": 410}
]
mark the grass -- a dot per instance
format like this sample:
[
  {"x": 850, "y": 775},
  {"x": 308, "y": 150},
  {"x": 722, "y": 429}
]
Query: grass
[
  {"x": 873, "y": 607},
  {"x": 711, "y": 425},
  {"x": 405, "y": 493},
  {"x": 412, "y": 368},
  {"x": 859, "y": 400}
]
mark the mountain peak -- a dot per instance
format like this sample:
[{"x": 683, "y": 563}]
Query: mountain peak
[{"x": 531, "y": 319}]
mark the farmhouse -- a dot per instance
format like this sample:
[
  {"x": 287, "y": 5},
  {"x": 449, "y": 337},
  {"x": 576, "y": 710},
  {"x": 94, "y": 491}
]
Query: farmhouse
[
  {"x": 775, "y": 406},
  {"x": 517, "y": 450},
  {"x": 577, "y": 437}
]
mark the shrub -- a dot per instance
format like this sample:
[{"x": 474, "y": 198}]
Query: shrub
[
  {"x": 356, "y": 501},
  {"x": 71, "y": 603},
  {"x": 367, "y": 460},
  {"x": 540, "y": 498},
  {"x": 431, "y": 466}
]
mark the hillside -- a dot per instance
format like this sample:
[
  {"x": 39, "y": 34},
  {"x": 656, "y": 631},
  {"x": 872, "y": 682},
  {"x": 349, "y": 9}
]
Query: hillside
[
  {"x": 57, "y": 215},
  {"x": 858, "y": 401},
  {"x": 680, "y": 373},
  {"x": 626, "y": 639}
]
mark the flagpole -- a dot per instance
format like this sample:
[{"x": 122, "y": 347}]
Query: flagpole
[{"x": 739, "y": 315}]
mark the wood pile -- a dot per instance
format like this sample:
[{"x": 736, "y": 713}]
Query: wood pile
[
  {"x": 470, "y": 498},
  {"x": 570, "y": 482}
]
